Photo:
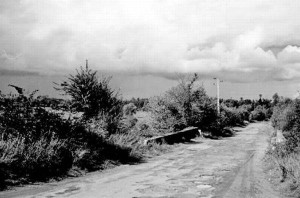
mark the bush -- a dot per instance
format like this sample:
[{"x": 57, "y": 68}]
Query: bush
[
  {"x": 20, "y": 117},
  {"x": 93, "y": 96},
  {"x": 286, "y": 117},
  {"x": 129, "y": 109},
  {"x": 285, "y": 157},
  {"x": 134, "y": 140},
  {"x": 244, "y": 111},
  {"x": 140, "y": 103},
  {"x": 165, "y": 115},
  {"x": 127, "y": 123},
  {"x": 36, "y": 145},
  {"x": 285, "y": 167},
  {"x": 258, "y": 114},
  {"x": 32, "y": 141},
  {"x": 182, "y": 106},
  {"x": 37, "y": 161},
  {"x": 283, "y": 117},
  {"x": 231, "y": 116}
]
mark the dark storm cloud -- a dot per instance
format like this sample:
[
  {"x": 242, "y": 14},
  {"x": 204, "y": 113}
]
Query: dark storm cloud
[
  {"x": 4, "y": 72},
  {"x": 279, "y": 45}
]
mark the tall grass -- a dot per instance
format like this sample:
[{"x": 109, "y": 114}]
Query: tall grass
[
  {"x": 284, "y": 158},
  {"x": 39, "y": 160},
  {"x": 285, "y": 168},
  {"x": 36, "y": 145}
]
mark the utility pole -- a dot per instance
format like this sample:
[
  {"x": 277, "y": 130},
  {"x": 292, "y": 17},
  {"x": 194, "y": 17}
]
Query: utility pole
[
  {"x": 218, "y": 94},
  {"x": 86, "y": 63}
]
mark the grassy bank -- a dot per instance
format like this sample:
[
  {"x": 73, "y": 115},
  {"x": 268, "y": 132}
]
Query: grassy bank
[{"x": 283, "y": 158}]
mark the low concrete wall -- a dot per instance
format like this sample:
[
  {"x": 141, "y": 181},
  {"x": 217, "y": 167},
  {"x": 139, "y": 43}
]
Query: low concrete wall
[{"x": 181, "y": 136}]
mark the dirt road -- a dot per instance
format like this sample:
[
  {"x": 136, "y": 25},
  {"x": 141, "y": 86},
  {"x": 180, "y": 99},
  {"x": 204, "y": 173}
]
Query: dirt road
[{"x": 205, "y": 168}]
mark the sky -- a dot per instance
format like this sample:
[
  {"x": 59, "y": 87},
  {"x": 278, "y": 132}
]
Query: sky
[{"x": 253, "y": 46}]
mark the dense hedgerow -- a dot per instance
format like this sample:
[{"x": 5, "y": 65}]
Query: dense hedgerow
[
  {"x": 231, "y": 116},
  {"x": 285, "y": 156},
  {"x": 188, "y": 105},
  {"x": 286, "y": 117},
  {"x": 182, "y": 106},
  {"x": 260, "y": 113}
]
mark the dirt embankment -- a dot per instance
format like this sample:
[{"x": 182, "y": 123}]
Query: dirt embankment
[{"x": 230, "y": 167}]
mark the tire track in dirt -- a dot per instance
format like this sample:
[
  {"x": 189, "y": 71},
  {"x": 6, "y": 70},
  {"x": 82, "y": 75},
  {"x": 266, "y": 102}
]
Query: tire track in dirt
[{"x": 249, "y": 180}]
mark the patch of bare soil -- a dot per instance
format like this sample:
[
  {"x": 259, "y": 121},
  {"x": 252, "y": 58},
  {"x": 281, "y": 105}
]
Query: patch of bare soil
[{"x": 231, "y": 167}]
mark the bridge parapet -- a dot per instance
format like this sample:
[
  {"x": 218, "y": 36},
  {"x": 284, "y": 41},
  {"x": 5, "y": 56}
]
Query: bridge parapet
[{"x": 181, "y": 136}]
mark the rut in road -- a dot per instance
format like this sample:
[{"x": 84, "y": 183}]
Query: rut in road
[
  {"x": 249, "y": 180},
  {"x": 230, "y": 167}
]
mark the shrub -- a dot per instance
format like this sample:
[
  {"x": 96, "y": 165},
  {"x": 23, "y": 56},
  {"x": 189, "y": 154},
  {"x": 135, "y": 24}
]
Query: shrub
[
  {"x": 129, "y": 109},
  {"x": 36, "y": 144},
  {"x": 133, "y": 140},
  {"x": 37, "y": 161},
  {"x": 32, "y": 140},
  {"x": 244, "y": 111},
  {"x": 231, "y": 116},
  {"x": 172, "y": 111},
  {"x": 97, "y": 152},
  {"x": 283, "y": 117},
  {"x": 292, "y": 128},
  {"x": 205, "y": 114},
  {"x": 285, "y": 167},
  {"x": 93, "y": 96},
  {"x": 258, "y": 114},
  {"x": 286, "y": 117},
  {"x": 182, "y": 106},
  {"x": 127, "y": 123},
  {"x": 21, "y": 118},
  {"x": 285, "y": 157},
  {"x": 140, "y": 103},
  {"x": 166, "y": 117}
]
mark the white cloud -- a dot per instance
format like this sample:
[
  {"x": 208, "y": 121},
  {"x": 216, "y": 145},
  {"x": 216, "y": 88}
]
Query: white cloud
[
  {"x": 290, "y": 54},
  {"x": 153, "y": 36}
]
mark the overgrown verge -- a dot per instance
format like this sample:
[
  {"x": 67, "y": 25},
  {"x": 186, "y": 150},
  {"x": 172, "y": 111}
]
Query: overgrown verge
[
  {"x": 39, "y": 141},
  {"x": 37, "y": 144},
  {"x": 284, "y": 158},
  {"x": 187, "y": 104}
]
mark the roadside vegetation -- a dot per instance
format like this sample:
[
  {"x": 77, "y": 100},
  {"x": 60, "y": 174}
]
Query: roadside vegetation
[
  {"x": 43, "y": 138},
  {"x": 284, "y": 157}
]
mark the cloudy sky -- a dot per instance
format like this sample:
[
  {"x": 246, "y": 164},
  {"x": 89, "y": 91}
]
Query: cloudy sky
[{"x": 254, "y": 46}]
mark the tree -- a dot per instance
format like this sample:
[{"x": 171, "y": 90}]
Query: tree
[
  {"x": 260, "y": 100},
  {"x": 91, "y": 95},
  {"x": 183, "y": 95},
  {"x": 276, "y": 99},
  {"x": 184, "y": 105}
]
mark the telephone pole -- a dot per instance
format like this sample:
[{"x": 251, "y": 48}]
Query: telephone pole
[{"x": 218, "y": 94}]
